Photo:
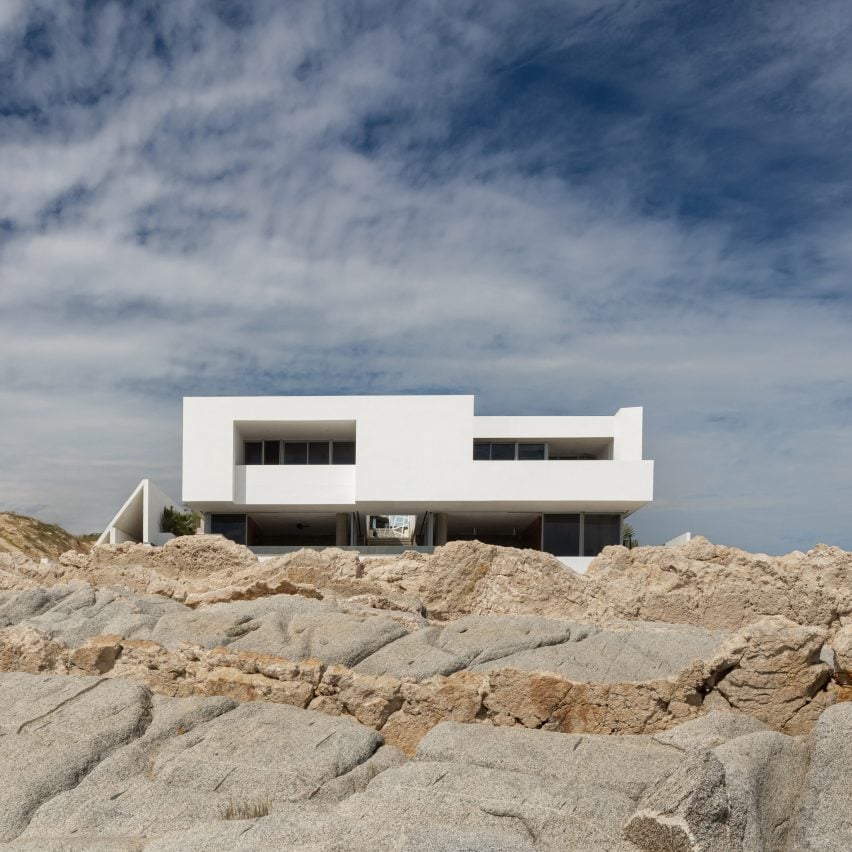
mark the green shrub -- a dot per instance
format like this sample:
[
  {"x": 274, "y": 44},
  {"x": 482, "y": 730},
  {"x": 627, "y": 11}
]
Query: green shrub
[
  {"x": 178, "y": 523},
  {"x": 629, "y": 539}
]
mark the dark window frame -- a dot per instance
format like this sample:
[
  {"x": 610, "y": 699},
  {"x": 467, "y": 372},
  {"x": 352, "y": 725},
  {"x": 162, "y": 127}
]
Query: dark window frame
[
  {"x": 336, "y": 452},
  {"x": 528, "y": 445},
  {"x": 550, "y": 527},
  {"x": 615, "y": 522},
  {"x": 480, "y": 453},
  {"x": 337, "y": 449},
  {"x": 293, "y": 449},
  {"x": 315, "y": 448},
  {"x": 217, "y": 518},
  {"x": 267, "y": 456}
]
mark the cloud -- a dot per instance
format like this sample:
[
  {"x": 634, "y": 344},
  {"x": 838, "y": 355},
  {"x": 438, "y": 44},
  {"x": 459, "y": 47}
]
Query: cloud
[{"x": 562, "y": 208}]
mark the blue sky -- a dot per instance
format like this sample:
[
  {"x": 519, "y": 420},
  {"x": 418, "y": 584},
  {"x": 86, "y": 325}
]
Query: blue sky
[{"x": 561, "y": 207}]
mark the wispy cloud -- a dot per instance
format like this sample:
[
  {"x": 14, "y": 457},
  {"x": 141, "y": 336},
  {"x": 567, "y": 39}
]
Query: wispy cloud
[{"x": 562, "y": 207}]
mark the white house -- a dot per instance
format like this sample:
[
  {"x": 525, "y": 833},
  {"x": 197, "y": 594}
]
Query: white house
[{"x": 381, "y": 472}]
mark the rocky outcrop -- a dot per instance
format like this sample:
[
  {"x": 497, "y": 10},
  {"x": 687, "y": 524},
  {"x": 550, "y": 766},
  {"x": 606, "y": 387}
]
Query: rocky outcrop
[
  {"x": 105, "y": 764},
  {"x": 759, "y": 791},
  {"x": 191, "y": 697},
  {"x": 700, "y": 583},
  {"x": 582, "y": 691},
  {"x": 718, "y": 586}
]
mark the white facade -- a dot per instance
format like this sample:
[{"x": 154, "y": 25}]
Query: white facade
[
  {"x": 138, "y": 520},
  {"x": 275, "y": 460}
]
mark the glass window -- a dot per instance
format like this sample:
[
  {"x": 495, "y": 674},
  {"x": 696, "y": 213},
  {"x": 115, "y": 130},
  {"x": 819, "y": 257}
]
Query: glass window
[
  {"x": 295, "y": 452},
  {"x": 530, "y": 451},
  {"x": 254, "y": 452},
  {"x": 343, "y": 452},
  {"x": 229, "y": 526},
  {"x": 481, "y": 451},
  {"x": 562, "y": 535},
  {"x": 318, "y": 452},
  {"x": 272, "y": 452},
  {"x": 502, "y": 452},
  {"x": 600, "y": 531}
]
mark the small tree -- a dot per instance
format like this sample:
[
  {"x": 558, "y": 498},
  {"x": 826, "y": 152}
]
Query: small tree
[
  {"x": 178, "y": 523},
  {"x": 628, "y": 538}
]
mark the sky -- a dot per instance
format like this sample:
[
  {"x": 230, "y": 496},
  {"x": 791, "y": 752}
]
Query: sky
[{"x": 561, "y": 207}]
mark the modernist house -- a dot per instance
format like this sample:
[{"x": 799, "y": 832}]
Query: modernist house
[{"x": 381, "y": 472}]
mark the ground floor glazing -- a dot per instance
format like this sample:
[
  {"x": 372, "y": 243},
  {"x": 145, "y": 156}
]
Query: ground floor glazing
[{"x": 580, "y": 534}]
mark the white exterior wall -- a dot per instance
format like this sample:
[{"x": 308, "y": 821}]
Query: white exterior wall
[
  {"x": 580, "y": 564},
  {"x": 548, "y": 427},
  {"x": 412, "y": 453},
  {"x": 408, "y": 448},
  {"x": 627, "y": 431},
  {"x": 296, "y": 485},
  {"x": 411, "y": 449},
  {"x": 138, "y": 519}
]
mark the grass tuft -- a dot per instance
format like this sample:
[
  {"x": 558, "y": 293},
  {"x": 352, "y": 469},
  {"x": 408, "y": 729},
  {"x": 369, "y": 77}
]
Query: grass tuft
[{"x": 245, "y": 809}]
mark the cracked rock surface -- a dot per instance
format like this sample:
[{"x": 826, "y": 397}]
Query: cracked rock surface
[
  {"x": 105, "y": 764},
  {"x": 696, "y": 699},
  {"x": 404, "y": 675}
]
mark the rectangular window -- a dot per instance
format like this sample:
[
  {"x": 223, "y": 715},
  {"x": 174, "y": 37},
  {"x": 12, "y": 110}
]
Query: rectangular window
[
  {"x": 502, "y": 452},
  {"x": 272, "y": 452},
  {"x": 599, "y": 531},
  {"x": 254, "y": 452},
  {"x": 562, "y": 535},
  {"x": 343, "y": 452},
  {"x": 530, "y": 451},
  {"x": 481, "y": 451},
  {"x": 232, "y": 527},
  {"x": 318, "y": 452},
  {"x": 295, "y": 452}
]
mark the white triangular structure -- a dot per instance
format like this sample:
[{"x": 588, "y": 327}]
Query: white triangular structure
[{"x": 138, "y": 520}]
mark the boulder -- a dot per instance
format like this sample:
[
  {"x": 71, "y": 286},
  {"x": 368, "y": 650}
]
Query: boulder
[
  {"x": 688, "y": 811},
  {"x": 708, "y": 731},
  {"x": 842, "y": 654},
  {"x": 199, "y": 760},
  {"x": 104, "y": 764},
  {"x": 465, "y": 643},
  {"x": 736, "y": 797},
  {"x": 537, "y": 789},
  {"x": 772, "y": 670},
  {"x": 823, "y": 818},
  {"x": 54, "y": 731},
  {"x": 618, "y": 653},
  {"x": 721, "y": 587},
  {"x": 763, "y": 780}
]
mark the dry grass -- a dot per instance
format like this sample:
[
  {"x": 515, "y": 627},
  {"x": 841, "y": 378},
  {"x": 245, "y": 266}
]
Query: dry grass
[
  {"x": 246, "y": 809},
  {"x": 34, "y": 538}
]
